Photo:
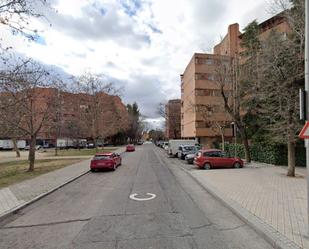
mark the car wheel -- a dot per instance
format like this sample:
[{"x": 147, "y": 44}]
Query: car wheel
[
  {"x": 207, "y": 166},
  {"x": 237, "y": 165},
  {"x": 92, "y": 170}
]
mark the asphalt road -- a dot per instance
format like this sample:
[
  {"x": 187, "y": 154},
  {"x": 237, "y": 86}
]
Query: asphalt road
[{"x": 95, "y": 211}]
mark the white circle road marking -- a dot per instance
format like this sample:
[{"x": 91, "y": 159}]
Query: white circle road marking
[{"x": 133, "y": 197}]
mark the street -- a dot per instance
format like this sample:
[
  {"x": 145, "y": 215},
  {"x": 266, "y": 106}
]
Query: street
[{"x": 95, "y": 211}]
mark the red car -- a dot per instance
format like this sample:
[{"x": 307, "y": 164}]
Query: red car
[
  {"x": 106, "y": 160},
  {"x": 130, "y": 147},
  {"x": 212, "y": 158}
]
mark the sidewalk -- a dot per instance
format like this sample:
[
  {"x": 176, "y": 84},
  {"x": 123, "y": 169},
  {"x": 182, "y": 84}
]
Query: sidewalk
[
  {"x": 17, "y": 195},
  {"x": 265, "y": 192}
]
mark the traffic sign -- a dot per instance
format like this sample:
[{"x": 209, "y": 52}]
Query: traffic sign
[{"x": 304, "y": 134}]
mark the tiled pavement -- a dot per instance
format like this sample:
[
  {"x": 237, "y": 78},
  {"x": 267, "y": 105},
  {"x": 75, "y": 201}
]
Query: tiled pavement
[
  {"x": 18, "y": 194},
  {"x": 267, "y": 193}
]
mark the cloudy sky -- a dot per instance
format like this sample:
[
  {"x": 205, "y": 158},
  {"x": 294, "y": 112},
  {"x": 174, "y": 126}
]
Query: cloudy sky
[{"x": 142, "y": 45}]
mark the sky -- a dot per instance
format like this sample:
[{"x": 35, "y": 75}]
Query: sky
[{"x": 140, "y": 45}]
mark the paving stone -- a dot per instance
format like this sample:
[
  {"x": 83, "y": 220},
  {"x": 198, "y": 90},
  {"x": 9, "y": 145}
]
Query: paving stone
[{"x": 267, "y": 193}]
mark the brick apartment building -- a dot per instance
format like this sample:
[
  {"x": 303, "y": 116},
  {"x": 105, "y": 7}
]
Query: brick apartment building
[
  {"x": 173, "y": 112},
  {"x": 199, "y": 86},
  {"x": 199, "y": 90},
  {"x": 69, "y": 115}
]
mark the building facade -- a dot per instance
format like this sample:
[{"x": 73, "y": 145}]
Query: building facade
[
  {"x": 202, "y": 111},
  {"x": 173, "y": 113},
  {"x": 70, "y": 115},
  {"x": 202, "y": 115}
]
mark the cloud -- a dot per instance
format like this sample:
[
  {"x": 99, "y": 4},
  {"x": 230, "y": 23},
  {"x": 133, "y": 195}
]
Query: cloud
[
  {"x": 141, "y": 45},
  {"x": 100, "y": 23},
  {"x": 146, "y": 91},
  {"x": 131, "y": 6}
]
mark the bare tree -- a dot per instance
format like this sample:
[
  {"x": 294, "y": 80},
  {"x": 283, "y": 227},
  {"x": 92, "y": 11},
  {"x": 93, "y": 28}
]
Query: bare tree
[
  {"x": 227, "y": 74},
  {"x": 16, "y": 14},
  {"x": 171, "y": 114},
  {"x": 10, "y": 121},
  {"x": 282, "y": 72},
  {"x": 25, "y": 89},
  {"x": 93, "y": 90},
  {"x": 208, "y": 114}
]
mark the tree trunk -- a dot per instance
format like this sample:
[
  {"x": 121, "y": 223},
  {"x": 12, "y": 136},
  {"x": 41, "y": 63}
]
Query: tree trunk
[
  {"x": 56, "y": 149},
  {"x": 222, "y": 139},
  {"x": 244, "y": 139},
  {"x": 15, "y": 147},
  {"x": 96, "y": 144},
  {"x": 32, "y": 153},
  {"x": 291, "y": 158}
]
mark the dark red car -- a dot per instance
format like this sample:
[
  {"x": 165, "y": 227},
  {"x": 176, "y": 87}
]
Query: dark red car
[
  {"x": 130, "y": 147},
  {"x": 212, "y": 158},
  {"x": 106, "y": 160}
]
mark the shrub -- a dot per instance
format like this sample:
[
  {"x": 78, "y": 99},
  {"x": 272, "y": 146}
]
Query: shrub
[{"x": 270, "y": 153}]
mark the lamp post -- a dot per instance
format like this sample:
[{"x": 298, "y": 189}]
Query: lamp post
[
  {"x": 306, "y": 93},
  {"x": 235, "y": 136}
]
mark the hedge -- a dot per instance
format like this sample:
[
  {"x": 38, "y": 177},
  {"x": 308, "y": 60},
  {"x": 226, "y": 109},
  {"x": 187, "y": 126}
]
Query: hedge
[{"x": 268, "y": 153}]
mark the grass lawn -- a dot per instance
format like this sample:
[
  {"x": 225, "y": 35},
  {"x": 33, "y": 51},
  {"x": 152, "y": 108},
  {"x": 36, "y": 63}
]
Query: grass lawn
[
  {"x": 82, "y": 152},
  {"x": 16, "y": 171}
]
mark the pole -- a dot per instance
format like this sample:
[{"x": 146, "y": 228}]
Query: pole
[{"x": 306, "y": 91}]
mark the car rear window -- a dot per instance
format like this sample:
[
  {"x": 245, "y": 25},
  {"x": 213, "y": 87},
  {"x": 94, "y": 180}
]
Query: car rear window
[
  {"x": 188, "y": 147},
  {"x": 102, "y": 157},
  {"x": 213, "y": 154}
]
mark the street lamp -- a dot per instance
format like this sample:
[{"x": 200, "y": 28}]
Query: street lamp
[
  {"x": 307, "y": 90},
  {"x": 235, "y": 135}
]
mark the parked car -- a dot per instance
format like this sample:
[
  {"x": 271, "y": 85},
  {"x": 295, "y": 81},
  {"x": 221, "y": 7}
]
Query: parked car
[
  {"x": 173, "y": 145},
  {"x": 37, "y": 147},
  {"x": 130, "y": 147},
  {"x": 106, "y": 160},
  {"x": 184, "y": 150},
  {"x": 90, "y": 146},
  {"x": 190, "y": 158},
  {"x": 213, "y": 158},
  {"x": 165, "y": 147}
]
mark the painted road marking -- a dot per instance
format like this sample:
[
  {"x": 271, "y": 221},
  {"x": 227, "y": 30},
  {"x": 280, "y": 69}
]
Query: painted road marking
[{"x": 133, "y": 197}]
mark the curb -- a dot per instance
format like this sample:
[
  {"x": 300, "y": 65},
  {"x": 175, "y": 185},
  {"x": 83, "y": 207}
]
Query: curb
[
  {"x": 15, "y": 210},
  {"x": 276, "y": 239}
]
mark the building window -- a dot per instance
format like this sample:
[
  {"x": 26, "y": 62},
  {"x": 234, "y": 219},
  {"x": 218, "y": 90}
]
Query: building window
[
  {"x": 204, "y": 76},
  {"x": 209, "y": 61},
  {"x": 210, "y": 77},
  {"x": 284, "y": 36},
  {"x": 203, "y": 124}
]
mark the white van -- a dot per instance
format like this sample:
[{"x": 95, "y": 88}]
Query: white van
[
  {"x": 7, "y": 144},
  {"x": 174, "y": 144}
]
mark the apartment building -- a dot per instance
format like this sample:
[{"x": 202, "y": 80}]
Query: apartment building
[
  {"x": 68, "y": 115},
  {"x": 173, "y": 113},
  {"x": 230, "y": 44},
  {"x": 202, "y": 115},
  {"x": 202, "y": 111}
]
